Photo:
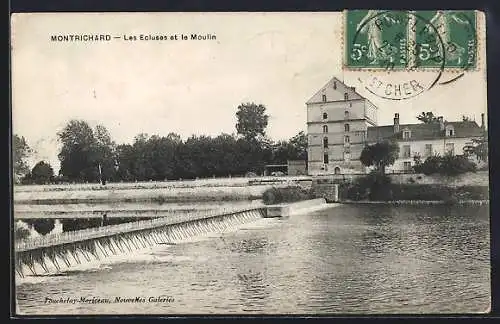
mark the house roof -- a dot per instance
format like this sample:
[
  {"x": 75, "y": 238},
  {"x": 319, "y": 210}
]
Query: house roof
[
  {"x": 335, "y": 93},
  {"x": 424, "y": 131}
]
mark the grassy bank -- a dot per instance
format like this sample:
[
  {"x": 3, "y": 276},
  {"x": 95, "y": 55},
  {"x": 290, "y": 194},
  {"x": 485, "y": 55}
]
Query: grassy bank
[
  {"x": 208, "y": 183},
  {"x": 150, "y": 195},
  {"x": 371, "y": 188}
]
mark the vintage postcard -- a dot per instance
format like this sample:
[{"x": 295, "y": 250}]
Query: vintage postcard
[{"x": 250, "y": 163}]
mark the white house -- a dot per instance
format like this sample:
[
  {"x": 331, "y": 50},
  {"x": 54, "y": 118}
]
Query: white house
[
  {"x": 425, "y": 140},
  {"x": 340, "y": 122}
]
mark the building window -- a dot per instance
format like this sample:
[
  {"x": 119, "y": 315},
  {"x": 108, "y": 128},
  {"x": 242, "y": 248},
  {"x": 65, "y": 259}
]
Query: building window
[
  {"x": 335, "y": 85},
  {"x": 325, "y": 142},
  {"x": 325, "y": 116},
  {"x": 325, "y": 158},
  {"x": 428, "y": 149},
  {"x": 347, "y": 139},
  {"x": 325, "y": 128},
  {"x": 347, "y": 156},
  {"x": 346, "y": 96},
  {"x": 324, "y": 98},
  {"x": 346, "y": 127},
  {"x": 350, "y": 104},
  {"x": 407, "y": 166},
  {"x": 337, "y": 170},
  {"x": 346, "y": 114},
  {"x": 450, "y": 148},
  {"x": 450, "y": 132},
  {"x": 406, "y": 151},
  {"x": 406, "y": 134}
]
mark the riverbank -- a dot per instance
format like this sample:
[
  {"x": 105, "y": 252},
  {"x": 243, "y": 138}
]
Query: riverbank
[
  {"x": 417, "y": 202},
  {"x": 151, "y": 195},
  {"x": 195, "y": 183},
  {"x": 379, "y": 190}
]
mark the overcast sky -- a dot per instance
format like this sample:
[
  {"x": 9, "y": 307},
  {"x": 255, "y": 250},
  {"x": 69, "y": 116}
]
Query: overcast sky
[{"x": 191, "y": 87}]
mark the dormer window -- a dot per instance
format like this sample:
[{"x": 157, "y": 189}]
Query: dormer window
[
  {"x": 346, "y": 96},
  {"x": 406, "y": 134},
  {"x": 324, "y": 98},
  {"x": 450, "y": 131},
  {"x": 325, "y": 116}
]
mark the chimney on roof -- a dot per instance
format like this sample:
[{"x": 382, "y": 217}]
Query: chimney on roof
[
  {"x": 441, "y": 123},
  {"x": 483, "y": 126},
  {"x": 396, "y": 123}
]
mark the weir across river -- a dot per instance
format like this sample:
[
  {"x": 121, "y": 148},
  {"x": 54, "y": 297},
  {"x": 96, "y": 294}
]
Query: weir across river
[{"x": 94, "y": 243}]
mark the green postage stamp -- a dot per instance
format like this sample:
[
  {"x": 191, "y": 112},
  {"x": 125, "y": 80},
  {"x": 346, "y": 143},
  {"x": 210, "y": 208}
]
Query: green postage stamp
[{"x": 409, "y": 40}]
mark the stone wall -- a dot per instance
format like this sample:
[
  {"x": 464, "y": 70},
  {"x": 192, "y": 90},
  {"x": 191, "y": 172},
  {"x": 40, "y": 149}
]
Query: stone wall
[
  {"x": 479, "y": 178},
  {"x": 326, "y": 188}
]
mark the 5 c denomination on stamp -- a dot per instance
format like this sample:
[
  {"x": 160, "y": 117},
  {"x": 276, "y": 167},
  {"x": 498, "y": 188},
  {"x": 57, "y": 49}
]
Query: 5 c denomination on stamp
[{"x": 404, "y": 53}]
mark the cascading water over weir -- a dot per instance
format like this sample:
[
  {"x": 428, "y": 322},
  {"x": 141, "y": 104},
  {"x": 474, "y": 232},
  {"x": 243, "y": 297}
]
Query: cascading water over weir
[{"x": 65, "y": 249}]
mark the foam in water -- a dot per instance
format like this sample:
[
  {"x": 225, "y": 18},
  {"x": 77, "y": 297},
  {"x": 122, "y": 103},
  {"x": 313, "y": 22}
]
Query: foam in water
[{"x": 104, "y": 259}]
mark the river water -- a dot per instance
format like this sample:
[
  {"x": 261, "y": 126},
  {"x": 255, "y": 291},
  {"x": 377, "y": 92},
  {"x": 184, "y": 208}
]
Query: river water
[{"x": 347, "y": 259}]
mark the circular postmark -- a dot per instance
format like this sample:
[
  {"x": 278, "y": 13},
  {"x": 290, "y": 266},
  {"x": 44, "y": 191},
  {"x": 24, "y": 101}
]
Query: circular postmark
[{"x": 403, "y": 51}]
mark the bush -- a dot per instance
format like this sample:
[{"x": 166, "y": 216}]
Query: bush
[
  {"x": 448, "y": 165},
  {"x": 373, "y": 186},
  {"x": 21, "y": 233},
  {"x": 276, "y": 195},
  {"x": 43, "y": 226}
]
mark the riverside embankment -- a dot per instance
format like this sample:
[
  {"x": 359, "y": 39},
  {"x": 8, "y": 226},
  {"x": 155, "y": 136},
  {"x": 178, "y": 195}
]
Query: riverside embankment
[{"x": 206, "y": 190}]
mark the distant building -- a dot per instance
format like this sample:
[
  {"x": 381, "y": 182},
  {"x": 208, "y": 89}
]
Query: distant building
[
  {"x": 340, "y": 122},
  {"x": 293, "y": 168},
  {"x": 426, "y": 140},
  {"x": 297, "y": 167},
  {"x": 337, "y": 121}
]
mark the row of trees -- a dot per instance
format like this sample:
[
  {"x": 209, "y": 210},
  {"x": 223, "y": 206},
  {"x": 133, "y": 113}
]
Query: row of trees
[{"x": 90, "y": 154}]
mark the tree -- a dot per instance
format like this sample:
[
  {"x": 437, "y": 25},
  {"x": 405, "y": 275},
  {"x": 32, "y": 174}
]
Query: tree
[
  {"x": 126, "y": 159},
  {"x": 299, "y": 144},
  {"x": 43, "y": 225},
  {"x": 20, "y": 151},
  {"x": 77, "y": 154},
  {"x": 84, "y": 150},
  {"x": 380, "y": 155},
  {"x": 427, "y": 117},
  {"x": 42, "y": 173},
  {"x": 105, "y": 153},
  {"x": 21, "y": 231},
  {"x": 478, "y": 148},
  {"x": 466, "y": 118},
  {"x": 252, "y": 120}
]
